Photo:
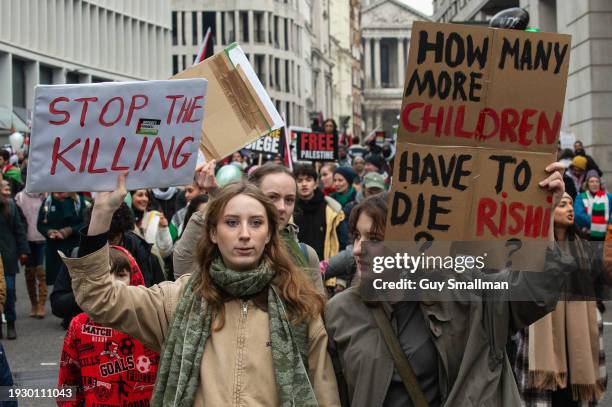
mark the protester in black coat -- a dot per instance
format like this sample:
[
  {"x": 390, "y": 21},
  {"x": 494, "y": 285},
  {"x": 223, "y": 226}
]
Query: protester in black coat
[{"x": 14, "y": 248}]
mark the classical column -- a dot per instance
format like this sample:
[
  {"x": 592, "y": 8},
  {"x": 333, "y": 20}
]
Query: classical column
[
  {"x": 377, "y": 64},
  {"x": 401, "y": 68},
  {"x": 218, "y": 25},
  {"x": 368, "y": 62},
  {"x": 251, "y": 28},
  {"x": 237, "y": 26},
  {"x": 379, "y": 118}
]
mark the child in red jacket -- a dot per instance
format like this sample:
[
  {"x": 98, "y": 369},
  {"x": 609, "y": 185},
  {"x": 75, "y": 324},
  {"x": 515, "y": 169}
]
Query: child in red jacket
[{"x": 106, "y": 366}]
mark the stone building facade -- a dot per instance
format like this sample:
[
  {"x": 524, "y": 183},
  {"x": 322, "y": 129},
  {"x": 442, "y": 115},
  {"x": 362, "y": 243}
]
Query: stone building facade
[{"x": 385, "y": 28}]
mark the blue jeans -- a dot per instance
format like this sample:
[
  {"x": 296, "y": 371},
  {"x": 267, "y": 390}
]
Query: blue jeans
[{"x": 11, "y": 297}]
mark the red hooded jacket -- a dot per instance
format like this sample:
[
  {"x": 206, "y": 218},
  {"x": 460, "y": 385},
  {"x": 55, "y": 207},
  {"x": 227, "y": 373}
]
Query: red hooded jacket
[{"x": 108, "y": 367}]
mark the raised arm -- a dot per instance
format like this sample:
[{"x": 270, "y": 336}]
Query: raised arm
[{"x": 141, "y": 312}]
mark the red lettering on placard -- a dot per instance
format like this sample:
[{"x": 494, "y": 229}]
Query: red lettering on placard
[
  {"x": 194, "y": 107},
  {"x": 94, "y": 158},
  {"x": 171, "y": 111},
  {"x": 85, "y": 102},
  {"x": 105, "y": 109},
  {"x": 184, "y": 156},
  {"x": 57, "y": 155},
  {"x": 117, "y": 156},
  {"x": 53, "y": 110},
  {"x": 165, "y": 158},
  {"x": 133, "y": 107}
]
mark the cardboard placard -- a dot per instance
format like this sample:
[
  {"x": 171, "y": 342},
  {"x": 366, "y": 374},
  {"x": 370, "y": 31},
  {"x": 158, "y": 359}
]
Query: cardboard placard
[
  {"x": 84, "y": 135},
  {"x": 312, "y": 146},
  {"x": 240, "y": 110},
  {"x": 480, "y": 121},
  {"x": 271, "y": 143}
]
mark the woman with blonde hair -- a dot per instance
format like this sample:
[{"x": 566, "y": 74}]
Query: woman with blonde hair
[{"x": 244, "y": 328}]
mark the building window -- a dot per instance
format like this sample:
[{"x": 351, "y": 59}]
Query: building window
[
  {"x": 244, "y": 24},
  {"x": 287, "y": 76},
  {"x": 46, "y": 75},
  {"x": 19, "y": 85},
  {"x": 97, "y": 79},
  {"x": 72, "y": 77},
  {"x": 385, "y": 76},
  {"x": 276, "y": 43},
  {"x": 184, "y": 62},
  {"x": 174, "y": 29},
  {"x": 175, "y": 67},
  {"x": 183, "y": 40},
  {"x": 286, "y": 22},
  {"x": 277, "y": 73},
  {"x": 259, "y": 32},
  {"x": 194, "y": 28},
  {"x": 259, "y": 67}
]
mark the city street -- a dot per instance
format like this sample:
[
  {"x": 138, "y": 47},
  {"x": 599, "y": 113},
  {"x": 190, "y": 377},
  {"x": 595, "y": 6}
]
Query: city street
[{"x": 34, "y": 356}]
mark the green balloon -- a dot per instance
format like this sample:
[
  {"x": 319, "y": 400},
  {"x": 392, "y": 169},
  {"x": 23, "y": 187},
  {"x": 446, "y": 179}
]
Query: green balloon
[{"x": 227, "y": 174}]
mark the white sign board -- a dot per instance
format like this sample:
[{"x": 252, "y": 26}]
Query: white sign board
[
  {"x": 567, "y": 140},
  {"x": 84, "y": 135}
]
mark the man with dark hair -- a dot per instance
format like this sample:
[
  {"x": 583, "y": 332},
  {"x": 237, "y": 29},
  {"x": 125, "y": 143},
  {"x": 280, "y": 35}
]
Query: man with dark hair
[
  {"x": 319, "y": 218},
  {"x": 591, "y": 164}
]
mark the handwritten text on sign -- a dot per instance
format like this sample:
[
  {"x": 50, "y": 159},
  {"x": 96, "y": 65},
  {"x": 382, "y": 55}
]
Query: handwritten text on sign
[
  {"x": 480, "y": 121},
  {"x": 83, "y": 135},
  {"x": 482, "y": 87}
]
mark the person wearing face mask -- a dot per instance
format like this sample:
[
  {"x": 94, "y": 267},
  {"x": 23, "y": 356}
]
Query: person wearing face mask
[
  {"x": 168, "y": 200},
  {"x": 560, "y": 360},
  {"x": 245, "y": 327},
  {"x": 101, "y": 362},
  {"x": 593, "y": 208},
  {"x": 278, "y": 184},
  {"x": 454, "y": 349}
]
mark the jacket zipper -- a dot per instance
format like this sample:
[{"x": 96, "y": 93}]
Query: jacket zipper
[{"x": 244, "y": 305}]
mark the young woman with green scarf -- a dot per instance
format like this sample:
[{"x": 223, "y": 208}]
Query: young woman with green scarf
[
  {"x": 278, "y": 184},
  {"x": 244, "y": 329}
]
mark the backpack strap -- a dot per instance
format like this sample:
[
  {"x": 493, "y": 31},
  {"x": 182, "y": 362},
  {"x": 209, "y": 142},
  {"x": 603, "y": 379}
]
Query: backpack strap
[{"x": 399, "y": 358}]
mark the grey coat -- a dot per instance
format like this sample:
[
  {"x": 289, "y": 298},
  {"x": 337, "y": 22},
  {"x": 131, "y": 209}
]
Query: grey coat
[{"x": 470, "y": 338}]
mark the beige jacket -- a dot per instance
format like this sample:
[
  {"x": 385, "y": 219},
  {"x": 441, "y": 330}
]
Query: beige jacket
[{"x": 236, "y": 368}]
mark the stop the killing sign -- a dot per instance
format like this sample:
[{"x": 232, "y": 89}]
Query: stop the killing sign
[{"x": 84, "y": 135}]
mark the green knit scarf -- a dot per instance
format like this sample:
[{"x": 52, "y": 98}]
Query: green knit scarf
[{"x": 178, "y": 374}]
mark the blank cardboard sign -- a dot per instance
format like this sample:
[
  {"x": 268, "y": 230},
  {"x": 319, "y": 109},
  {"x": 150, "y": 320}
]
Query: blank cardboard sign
[{"x": 238, "y": 109}]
